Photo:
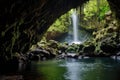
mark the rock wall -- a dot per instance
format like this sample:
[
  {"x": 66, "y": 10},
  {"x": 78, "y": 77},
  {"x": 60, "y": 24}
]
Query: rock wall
[
  {"x": 115, "y": 7},
  {"x": 23, "y": 22}
]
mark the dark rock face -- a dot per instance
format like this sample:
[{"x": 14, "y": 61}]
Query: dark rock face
[
  {"x": 108, "y": 48},
  {"x": 115, "y": 6},
  {"x": 88, "y": 50},
  {"x": 23, "y": 22}
]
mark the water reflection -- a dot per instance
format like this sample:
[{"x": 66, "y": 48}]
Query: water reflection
[
  {"x": 75, "y": 69},
  {"x": 103, "y": 69},
  {"x": 71, "y": 69},
  {"x": 46, "y": 70}
]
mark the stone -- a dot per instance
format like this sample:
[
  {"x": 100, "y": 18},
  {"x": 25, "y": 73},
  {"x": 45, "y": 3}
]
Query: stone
[
  {"x": 108, "y": 48},
  {"x": 89, "y": 49}
]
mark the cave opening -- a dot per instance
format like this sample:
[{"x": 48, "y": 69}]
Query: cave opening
[{"x": 36, "y": 31}]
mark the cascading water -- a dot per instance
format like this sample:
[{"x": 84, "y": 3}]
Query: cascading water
[
  {"x": 75, "y": 28},
  {"x": 74, "y": 34}
]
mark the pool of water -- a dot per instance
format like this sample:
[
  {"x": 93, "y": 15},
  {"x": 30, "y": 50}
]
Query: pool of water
[{"x": 72, "y": 69}]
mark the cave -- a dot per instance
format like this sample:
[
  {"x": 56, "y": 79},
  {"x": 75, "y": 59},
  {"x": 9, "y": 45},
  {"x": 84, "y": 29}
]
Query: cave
[{"x": 22, "y": 23}]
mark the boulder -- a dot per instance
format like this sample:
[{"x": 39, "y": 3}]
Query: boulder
[
  {"x": 38, "y": 54},
  {"x": 108, "y": 48},
  {"x": 80, "y": 48},
  {"x": 88, "y": 50},
  {"x": 53, "y": 44}
]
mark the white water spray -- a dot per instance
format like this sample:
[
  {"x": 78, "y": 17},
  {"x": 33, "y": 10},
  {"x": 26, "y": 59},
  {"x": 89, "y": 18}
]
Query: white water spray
[{"x": 75, "y": 28}]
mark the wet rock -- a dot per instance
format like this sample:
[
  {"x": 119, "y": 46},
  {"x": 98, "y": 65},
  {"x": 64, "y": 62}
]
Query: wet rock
[
  {"x": 17, "y": 63},
  {"x": 89, "y": 49},
  {"x": 61, "y": 56},
  {"x": 36, "y": 58},
  {"x": 108, "y": 48},
  {"x": 80, "y": 47},
  {"x": 53, "y": 44},
  {"x": 41, "y": 54},
  {"x": 63, "y": 48},
  {"x": 11, "y": 77},
  {"x": 74, "y": 48},
  {"x": 110, "y": 30}
]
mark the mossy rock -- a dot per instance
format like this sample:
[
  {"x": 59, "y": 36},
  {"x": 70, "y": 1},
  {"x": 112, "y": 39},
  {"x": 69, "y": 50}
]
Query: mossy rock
[
  {"x": 53, "y": 44},
  {"x": 108, "y": 48},
  {"x": 111, "y": 29},
  {"x": 81, "y": 46},
  {"x": 89, "y": 49}
]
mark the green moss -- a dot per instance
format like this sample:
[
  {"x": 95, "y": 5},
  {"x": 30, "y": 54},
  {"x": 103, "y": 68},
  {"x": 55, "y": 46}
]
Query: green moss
[{"x": 3, "y": 33}]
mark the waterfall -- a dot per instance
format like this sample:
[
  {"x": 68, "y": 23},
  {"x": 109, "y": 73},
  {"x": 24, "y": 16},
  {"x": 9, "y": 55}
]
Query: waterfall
[
  {"x": 75, "y": 33},
  {"x": 75, "y": 28}
]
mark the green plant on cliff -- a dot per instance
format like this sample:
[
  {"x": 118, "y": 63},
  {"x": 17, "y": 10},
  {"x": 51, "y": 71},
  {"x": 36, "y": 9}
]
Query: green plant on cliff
[
  {"x": 94, "y": 13},
  {"x": 61, "y": 24}
]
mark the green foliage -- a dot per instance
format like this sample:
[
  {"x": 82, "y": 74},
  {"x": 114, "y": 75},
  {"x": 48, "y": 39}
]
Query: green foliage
[
  {"x": 73, "y": 48},
  {"x": 90, "y": 9},
  {"x": 61, "y": 24},
  {"x": 104, "y": 8},
  {"x": 59, "y": 27},
  {"x": 94, "y": 13},
  {"x": 93, "y": 9}
]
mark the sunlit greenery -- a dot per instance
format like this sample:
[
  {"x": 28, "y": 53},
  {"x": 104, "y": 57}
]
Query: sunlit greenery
[
  {"x": 94, "y": 13},
  {"x": 94, "y": 8},
  {"x": 59, "y": 27},
  {"x": 90, "y": 9},
  {"x": 62, "y": 23},
  {"x": 92, "y": 17}
]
